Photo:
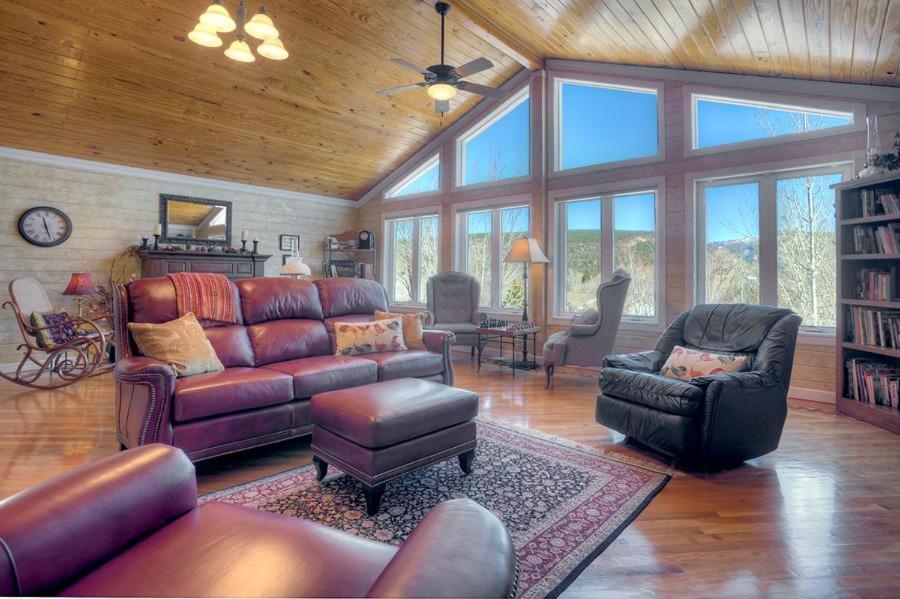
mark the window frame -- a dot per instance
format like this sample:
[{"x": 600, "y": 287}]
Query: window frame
[
  {"x": 388, "y": 261},
  {"x": 766, "y": 100},
  {"x": 460, "y": 214},
  {"x": 768, "y": 231},
  {"x": 557, "y": 272},
  {"x": 483, "y": 125},
  {"x": 412, "y": 176},
  {"x": 555, "y": 138}
]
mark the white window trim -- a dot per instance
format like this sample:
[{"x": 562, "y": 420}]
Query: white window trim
[
  {"x": 556, "y": 273},
  {"x": 767, "y": 100},
  {"x": 498, "y": 113},
  {"x": 388, "y": 255},
  {"x": 412, "y": 176},
  {"x": 696, "y": 184},
  {"x": 555, "y": 140}
]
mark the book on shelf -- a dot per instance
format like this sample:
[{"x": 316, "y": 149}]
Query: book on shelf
[
  {"x": 877, "y": 202},
  {"x": 873, "y": 382},
  {"x": 877, "y": 283},
  {"x": 881, "y": 239},
  {"x": 871, "y": 326}
]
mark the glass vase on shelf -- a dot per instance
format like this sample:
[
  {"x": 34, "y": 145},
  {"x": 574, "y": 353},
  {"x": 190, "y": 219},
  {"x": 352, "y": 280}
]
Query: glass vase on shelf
[{"x": 873, "y": 149}]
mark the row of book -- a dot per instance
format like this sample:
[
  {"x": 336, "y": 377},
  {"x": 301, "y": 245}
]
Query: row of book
[
  {"x": 350, "y": 268},
  {"x": 877, "y": 283},
  {"x": 883, "y": 239},
  {"x": 870, "y": 326},
  {"x": 873, "y": 382},
  {"x": 875, "y": 202}
]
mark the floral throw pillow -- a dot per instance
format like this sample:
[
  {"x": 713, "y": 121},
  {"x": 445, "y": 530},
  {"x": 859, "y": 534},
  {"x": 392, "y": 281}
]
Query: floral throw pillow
[
  {"x": 356, "y": 338},
  {"x": 61, "y": 329},
  {"x": 684, "y": 364},
  {"x": 413, "y": 327}
]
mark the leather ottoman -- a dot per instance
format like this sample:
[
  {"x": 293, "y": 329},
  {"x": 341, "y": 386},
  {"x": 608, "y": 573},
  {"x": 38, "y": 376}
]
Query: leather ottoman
[{"x": 382, "y": 431}]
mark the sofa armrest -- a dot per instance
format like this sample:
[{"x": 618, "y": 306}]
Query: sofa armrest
[
  {"x": 645, "y": 361},
  {"x": 459, "y": 550},
  {"x": 60, "y": 530},
  {"x": 144, "y": 390},
  {"x": 439, "y": 342}
]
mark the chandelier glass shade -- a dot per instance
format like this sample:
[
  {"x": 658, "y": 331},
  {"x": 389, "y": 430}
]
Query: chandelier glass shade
[
  {"x": 441, "y": 91},
  {"x": 217, "y": 20}
]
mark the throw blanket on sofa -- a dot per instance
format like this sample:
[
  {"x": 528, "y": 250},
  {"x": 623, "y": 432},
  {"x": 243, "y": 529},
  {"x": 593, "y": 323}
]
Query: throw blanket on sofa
[{"x": 209, "y": 296}]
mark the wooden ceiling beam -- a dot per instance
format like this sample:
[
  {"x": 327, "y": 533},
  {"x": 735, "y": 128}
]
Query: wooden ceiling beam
[{"x": 474, "y": 21}]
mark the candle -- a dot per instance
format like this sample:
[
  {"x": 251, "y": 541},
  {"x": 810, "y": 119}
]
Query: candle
[
  {"x": 244, "y": 235},
  {"x": 157, "y": 229},
  {"x": 256, "y": 239}
]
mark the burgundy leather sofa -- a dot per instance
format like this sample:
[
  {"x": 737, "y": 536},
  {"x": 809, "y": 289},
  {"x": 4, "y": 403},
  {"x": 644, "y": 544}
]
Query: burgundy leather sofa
[
  {"x": 129, "y": 525},
  {"x": 279, "y": 355}
]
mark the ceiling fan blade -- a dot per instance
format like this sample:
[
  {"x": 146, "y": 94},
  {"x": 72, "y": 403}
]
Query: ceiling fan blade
[
  {"x": 483, "y": 90},
  {"x": 411, "y": 66},
  {"x": 399, "y": 88},
  {"x": 442, "y": 106},
  {"x": 475, "y": 66}
]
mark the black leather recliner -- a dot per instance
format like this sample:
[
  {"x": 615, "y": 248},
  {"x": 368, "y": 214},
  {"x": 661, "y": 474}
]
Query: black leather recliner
[{"x": 716, "y": 420}]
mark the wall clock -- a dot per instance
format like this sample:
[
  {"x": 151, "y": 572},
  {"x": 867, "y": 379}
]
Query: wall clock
[{"x": 45, "y": 226}]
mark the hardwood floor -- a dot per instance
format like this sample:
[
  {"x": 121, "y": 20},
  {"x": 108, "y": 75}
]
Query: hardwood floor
[{"x": 819, "y": 517}]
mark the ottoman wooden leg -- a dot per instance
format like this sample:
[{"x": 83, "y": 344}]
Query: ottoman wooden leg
[
  {"x": 373, "y": 498},
  {"x": 321, "y": 467},
  {"x": 466, "y": 461}
]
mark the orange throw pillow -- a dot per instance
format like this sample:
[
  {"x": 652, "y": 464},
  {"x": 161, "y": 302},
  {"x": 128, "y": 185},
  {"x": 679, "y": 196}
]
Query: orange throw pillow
[
  {"x": 180, "y": 343},
  {"x": 357, "y": 338},
  {"x": 413, "y": 327},
  {"x": 684, "y": 364}
]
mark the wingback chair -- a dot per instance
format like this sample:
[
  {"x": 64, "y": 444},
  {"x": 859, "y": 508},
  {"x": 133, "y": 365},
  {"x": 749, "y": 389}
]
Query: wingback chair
[
  {"x": 592, "y": 334},
  {"x": 453, "y": 299},
  {"x": 715, "y": 420}
]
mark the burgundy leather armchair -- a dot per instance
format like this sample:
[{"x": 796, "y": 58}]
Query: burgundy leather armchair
[
  {"x": 129, "y": 525},
  {"x": 278, "y": 355}
]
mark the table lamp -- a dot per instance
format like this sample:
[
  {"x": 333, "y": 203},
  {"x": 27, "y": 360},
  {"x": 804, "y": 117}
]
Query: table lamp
[
  {"x": 295, "y": 267},
  {"x": 80, "y": 284},
  {"x": 526, "y": 251}
]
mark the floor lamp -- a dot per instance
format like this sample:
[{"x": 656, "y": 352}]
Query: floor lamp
[{"x": 527, "y": 251}]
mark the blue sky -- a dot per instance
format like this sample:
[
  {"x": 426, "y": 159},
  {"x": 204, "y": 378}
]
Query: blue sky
[
  {"x": 732, "y": 212},
  {"x": 430, "y": 180},
  {"x": 503, "y": 148},
  {"x": 633, "y": 212}
]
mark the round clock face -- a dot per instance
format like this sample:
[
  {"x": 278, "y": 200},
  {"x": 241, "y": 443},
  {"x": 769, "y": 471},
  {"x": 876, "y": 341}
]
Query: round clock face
[
  {"x": 45, "y": 226},
  {"x": 364, "y": 235}
]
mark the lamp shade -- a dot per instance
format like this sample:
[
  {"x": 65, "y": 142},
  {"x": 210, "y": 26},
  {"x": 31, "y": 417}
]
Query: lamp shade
[
  {"x": 261, "y": 27},
  {"x": 81, "y": 283},
  {"x": 217, "y": 16},
  {"x": 525, "y": 250},
  {"x": 239, "y": 50},
  {"x": 205, "y": 35},
  {"x": 272, "y": 49},
  {"x": 296, "y": 267}
]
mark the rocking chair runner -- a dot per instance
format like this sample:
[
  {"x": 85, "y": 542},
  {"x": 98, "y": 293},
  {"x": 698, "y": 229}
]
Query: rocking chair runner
[{"x": 70, "y": 361}]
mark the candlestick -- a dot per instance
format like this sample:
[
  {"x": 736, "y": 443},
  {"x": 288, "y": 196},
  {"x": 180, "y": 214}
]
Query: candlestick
[
  {"x": 156, "y": 241},
  {"x": 256, "y": 239},
  {"x": 157, "y": 229},
  {"x": 244, "y": 235},
  {"x": 255, "y": 245},
  {"x": 243, "y": 246},
  {"x": 144, "y": 242}
]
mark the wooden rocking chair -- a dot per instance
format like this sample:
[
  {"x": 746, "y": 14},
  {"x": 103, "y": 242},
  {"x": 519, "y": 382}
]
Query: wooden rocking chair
[{"x": 69, "y": 362}]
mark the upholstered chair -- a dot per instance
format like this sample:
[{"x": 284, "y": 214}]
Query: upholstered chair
[
  {"x": 713, "y": 420},
  {"x": 591, "y": 334},
  {"x": 453, "y": 299}
]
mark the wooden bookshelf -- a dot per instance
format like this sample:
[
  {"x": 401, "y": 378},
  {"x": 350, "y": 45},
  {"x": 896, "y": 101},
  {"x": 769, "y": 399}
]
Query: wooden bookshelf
[{"x": 849, "y": 264}]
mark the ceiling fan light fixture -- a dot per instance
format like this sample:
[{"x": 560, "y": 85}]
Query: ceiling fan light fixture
[
  {"x": 239, "y": 50},
  {"x": 272, "y": 49},
  {"x": 205, "y": 35},
  {"x": 441, "y": 91},
  {"x": 217, "y": 16},
  {"x": 261, "y": 26}
]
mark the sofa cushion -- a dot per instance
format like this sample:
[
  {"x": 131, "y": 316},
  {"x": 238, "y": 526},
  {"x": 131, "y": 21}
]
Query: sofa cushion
[
  {"x": 651, "y": 390},
  {"x": 272, "y": 298},
  {"x": 410, "y": 363},
  {"x": 280, "y": 340},
  {"x": 342, "y": 295},
  {"x": 232, "y": 345},
  {"x": 326, "y": 373},
  {"x": 153, "y": 300},
  {"x": 231, "y": 390},
  {"x": 223, "y": 550},
  {"x": 179, "y": 343}
]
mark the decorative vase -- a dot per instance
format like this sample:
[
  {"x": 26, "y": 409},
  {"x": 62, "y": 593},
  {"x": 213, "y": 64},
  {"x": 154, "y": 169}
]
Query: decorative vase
[{"x": 873, "y": 148}]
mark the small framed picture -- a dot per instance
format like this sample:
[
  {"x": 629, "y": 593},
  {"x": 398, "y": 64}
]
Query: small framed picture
[
  {"x": 285, "y": 258},
  {"x": 290, "y": 243}
]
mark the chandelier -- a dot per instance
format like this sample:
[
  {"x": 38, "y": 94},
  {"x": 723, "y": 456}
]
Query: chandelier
[{"x": 216, "y": 20}]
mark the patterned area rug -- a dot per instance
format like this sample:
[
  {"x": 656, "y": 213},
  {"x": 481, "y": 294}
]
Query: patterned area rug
[{"x": 562, "y": 503}]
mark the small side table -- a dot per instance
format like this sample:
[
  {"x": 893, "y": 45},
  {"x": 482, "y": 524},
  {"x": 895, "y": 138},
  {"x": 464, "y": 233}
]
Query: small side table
[{"x": 515, "y": 337}]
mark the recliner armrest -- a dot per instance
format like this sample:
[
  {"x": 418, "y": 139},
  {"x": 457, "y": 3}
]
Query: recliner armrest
[
  {"x": 439, "y": 342},
  {"x": 144, "y": 393},
  {"x": 749, "y": 379},
  {"x": 583, "y": 330},
  {"x": 459, "y": 549},
  {"x": 645, "y": 361}
]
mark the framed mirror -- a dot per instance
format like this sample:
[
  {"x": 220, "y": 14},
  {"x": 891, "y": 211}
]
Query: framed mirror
[{"x": 190, "y": 221}]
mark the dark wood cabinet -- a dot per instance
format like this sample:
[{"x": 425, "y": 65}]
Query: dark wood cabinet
[{"x": 159, "y": 263}]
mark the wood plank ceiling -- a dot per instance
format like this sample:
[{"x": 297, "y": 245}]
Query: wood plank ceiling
[{"x": 116, "y": 81}]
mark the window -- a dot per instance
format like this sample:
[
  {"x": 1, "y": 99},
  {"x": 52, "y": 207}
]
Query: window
[
  {"x": 486, "y": 237},
  {"x": 770, "y": 239},
  {"x": 721, "y": 121},
  {"x": 499, "y": 147},
  {"x": 425, "y": 179},
  {"x": 412, "y": 257},
  {"x": 602, "y": 123},
  {"x": 599, "y": 234}
]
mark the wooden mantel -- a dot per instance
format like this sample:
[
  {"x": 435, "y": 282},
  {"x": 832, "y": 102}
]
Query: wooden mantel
[{"x": 159, "y": 263}]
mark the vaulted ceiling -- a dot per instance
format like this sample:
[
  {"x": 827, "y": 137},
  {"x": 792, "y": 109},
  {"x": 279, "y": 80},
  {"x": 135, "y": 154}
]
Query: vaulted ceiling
[{"x": 116, "y": 81}]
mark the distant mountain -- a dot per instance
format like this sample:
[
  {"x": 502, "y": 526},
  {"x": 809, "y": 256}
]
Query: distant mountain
[{"x": 747, "y": 247}]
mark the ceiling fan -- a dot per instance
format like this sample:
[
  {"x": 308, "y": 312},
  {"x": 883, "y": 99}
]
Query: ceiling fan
[{"x": 442, "y": 80}]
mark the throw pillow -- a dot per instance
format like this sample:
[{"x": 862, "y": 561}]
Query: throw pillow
[
  {"x": 180, "y": 342},
  {"x": 684, "y": 364},
  {"x": 61, "y": 328},
  {"x": 356, "y": 338},
  {"x": 413, "y": 323}
]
